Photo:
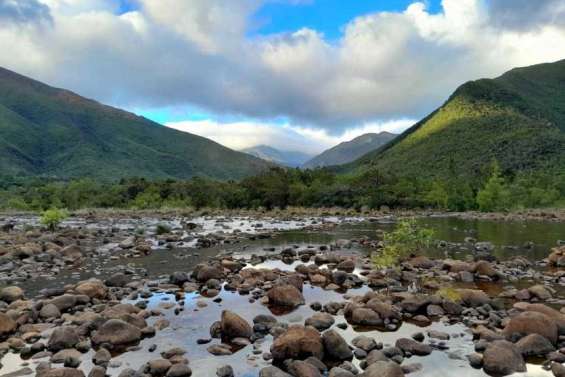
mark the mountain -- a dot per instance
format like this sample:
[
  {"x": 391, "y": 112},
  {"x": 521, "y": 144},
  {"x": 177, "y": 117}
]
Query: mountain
[
  {"x": 277, "y": 156},
  {"x": 53, "y": 132},
  {"x": 350, "y": 150},
  {"x": 517, "y": 119}
]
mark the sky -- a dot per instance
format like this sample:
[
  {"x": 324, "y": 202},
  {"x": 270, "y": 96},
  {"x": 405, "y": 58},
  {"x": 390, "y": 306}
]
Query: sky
[{"x": 294, "y": 74}]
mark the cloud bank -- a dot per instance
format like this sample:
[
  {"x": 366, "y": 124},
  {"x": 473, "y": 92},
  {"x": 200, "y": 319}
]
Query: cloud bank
[{"x": 198, "y": 53}]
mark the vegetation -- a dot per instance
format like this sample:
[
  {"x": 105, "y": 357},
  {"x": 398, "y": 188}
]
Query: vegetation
[
  {"x": 55, "y": 133},
  {"x": 449, "y": 293},
  {"x": 517, "y": 119},
  {"x": 51, "y": 218},
  {"x": 280, "y": 188},
  {"x": 408, "y": 237}
]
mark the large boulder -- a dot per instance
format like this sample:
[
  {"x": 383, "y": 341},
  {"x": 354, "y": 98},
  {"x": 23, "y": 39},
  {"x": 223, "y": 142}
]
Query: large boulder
[
  {"x": 7, "y": 325},
  {"x": 273, "y": 372},
  {"x": 63, "y": 372},
  {"x": 534, "y": 345},
  {"x": 383, "y": 369},
  {"x": 233, "y": 326},
  {"x": 502, "y": 358},
  {"x": 532, "y": 323},
  {"x": 11, "y": 294},
  {"x": 93, "y": 288},
  {"x": 335, "y": 346},
  {"x": 557, "y": 316},
  {"x": 473, "y": 297},
  {"x": 117, "y": 333},
  {"x": 298, "y": 342},
  {"x": 413, "y": 347},
  {"x": 557, "y": 257},
  {"x": 320, "y": 321},
  {"x": 62, "y": 338},
  {"x": 285, "y": 295}
]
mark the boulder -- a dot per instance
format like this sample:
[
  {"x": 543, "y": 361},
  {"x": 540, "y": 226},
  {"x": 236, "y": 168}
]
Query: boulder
[
  {"x": 62, "y": 338},
  {"x": 7, "y": 325},
  {"x": 534, "y": 345},
  {"x": 320, "y": 321},
  {"x": 413, "y": 347},
  {"x": 117, "y": 333},
  {"x": 304, "y": 369},
  {"x": 502, "y": 358},
  {"x": 11, "y": 294},
  {"x": 532, "y": 323},
  {"x": 233, "y": 326},
  {"x": 93, "y": 288},
  {"x": 335, "y": 346},
  {"x": 63, "y": 372},
  {"x": 557, "y": 257},
  {"x": 285, "y": 295},
  {"x": 298, "y": 342},
  {"x": 473, "y": 297},
  {"x": 558, "y": 317},
  {"x": 273, "y": 372},
  {"x": 383, "y": 369}
]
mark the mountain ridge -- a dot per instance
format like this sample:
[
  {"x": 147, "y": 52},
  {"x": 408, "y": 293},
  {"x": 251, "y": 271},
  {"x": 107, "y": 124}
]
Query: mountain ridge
[
  {"x": 287, "y": 158},
  {"x": 57, "y": 133}
]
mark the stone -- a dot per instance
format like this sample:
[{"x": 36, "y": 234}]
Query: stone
[
  {"x": 364, "y": 342},
  {"x": 11, "y": 294},
  {"x": 285, "y": 295},
  {"x": 413, "y": 347},
  {"x": 159, "y": 367},
  {"x": 49, "y": 311},
  {"x": 7, "y": 325},
  {"x": 62, "y": 338},
  {"x": 63, "y": 372},
  {"x": 93, "y": 288},
  {"x": 335, "y": 346},
  {"x": 179, "y": 370},
  {"x": 117, "y": 333},
  {"x": 473, "y": 297},
  {"x": 224, "y": 371},
  {"x": 320, "y": 321},
  {"x": 383, "y": 369},
  {"x": 502, "y": 358},
  {"x": 534, "y": 345},
  {"x": 273, "y": 372},
  {"x": 101, "y": 357},
  {"x": 532, "y": 323},
  {"x": 304, "y": 369},
  {"x": 298, "y": 342},
  {"x": 233, "y": 326}
]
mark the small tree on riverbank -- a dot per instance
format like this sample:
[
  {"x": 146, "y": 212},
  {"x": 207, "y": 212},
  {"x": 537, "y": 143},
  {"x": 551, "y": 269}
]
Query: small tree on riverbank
[{"x": 52, "y": 218}]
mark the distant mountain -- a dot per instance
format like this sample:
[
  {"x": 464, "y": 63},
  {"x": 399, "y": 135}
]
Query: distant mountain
[
  {"x": 277, "y": 156},
  {"x": 517, "y": 119},
  {"x": 53, "y": 132},
  {"x": 350, "y": 150}
]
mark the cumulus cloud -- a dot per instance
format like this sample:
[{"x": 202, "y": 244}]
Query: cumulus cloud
[
  {"x": 241, "y": 135},
  {"x": 24, "y": 11},
  {"x": 386, "y": 65}
]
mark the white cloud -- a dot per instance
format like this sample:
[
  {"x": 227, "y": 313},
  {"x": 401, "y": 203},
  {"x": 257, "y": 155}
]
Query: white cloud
[
  {"x": 197, "y": 53},
  {"x": 240, "y": 135}
]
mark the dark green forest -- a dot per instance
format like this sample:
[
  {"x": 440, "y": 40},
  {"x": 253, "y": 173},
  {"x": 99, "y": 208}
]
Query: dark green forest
[{"x": 281, "y": 188}]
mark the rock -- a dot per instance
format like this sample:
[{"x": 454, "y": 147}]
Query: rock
[
  {"x": 117, "y": 280},
  {"x": 63, "y": 372},
  {"x": 532, "y": 323},
  {"x": 224, "y": 371},
  {"x": 7, "y": 325},
  {"x": 413, "y": 347},
  {"x": 273, "y": 372},
  {"x": 178, "y": 278},
  {"x": 117, "y": 333},
  {"x": 49, "y": 311},
  {"x": 64, "y": 302},
  {"x": 340, "y": 372},
  {"x": 475, "y": 360},
  {"x": 555, "y": 315},
  {"x": 365, "y": 343},
  {"x": 97, "y": 371},
  {"x": 285, "y": 295},
  {"x": 304, "y": 369},
  {"x": 347, "y": 265},
  {"x": 534, "y": 345},
  {"x": 11, "y": 294},
  {"x": 557, "y": 257},
  {"x": 298, "y": 342},
  {"x": 62, "y": 355},
  {"x": 159, "y": 367},
  {"x": 558, "y": 369},
  {"x": 383, "y": 369},
  {"x": 502, "y": 358},
  {"x": 335, "y": 346},
  {"x": 320, "y": 321},
  {"x": 540, "y": 291},
  {"x": 484, "y": 268},
  {"x": 62, "y": 338},
  {"x": 473, "y": 297},
  {"x": 179, "y": 370},
  {"x": 93, "y": 288},
  {"x": 233, "y": 326},
  {"x": 203, "y": 273},
  {"x": 72, "y": 252},
  {"x": 101, "y": 357},
  {"x": 365, "y": 317}
]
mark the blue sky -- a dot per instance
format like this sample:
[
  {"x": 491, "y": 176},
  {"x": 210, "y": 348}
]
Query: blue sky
[{"x": 326, "y": 16}]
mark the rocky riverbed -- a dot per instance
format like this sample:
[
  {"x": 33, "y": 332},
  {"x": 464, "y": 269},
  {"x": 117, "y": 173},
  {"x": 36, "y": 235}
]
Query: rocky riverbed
[{"x": 275, "y": 297}]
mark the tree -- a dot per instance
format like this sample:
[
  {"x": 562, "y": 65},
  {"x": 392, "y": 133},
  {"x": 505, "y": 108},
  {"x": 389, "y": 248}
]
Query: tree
[
  {"x": 495, "y": 195},
  {"x": 438, "y": 196}
]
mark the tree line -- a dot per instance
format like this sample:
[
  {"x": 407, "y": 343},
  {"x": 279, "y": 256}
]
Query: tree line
[{"x": 280, "y": 188}]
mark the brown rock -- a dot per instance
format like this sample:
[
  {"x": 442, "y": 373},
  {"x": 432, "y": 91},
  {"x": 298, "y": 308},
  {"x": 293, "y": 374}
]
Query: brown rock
[
  {"x": 532, "y": 323},
  {"x": 298, "y": 342},
  {"x": 285, "y": 295},
  {"x": 233, "y": 326}
]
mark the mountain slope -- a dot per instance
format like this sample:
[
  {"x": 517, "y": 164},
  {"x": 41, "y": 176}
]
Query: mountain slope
[
  {"x": 54, "y": 132},
  {"x": 277, "y": 156},
  {"x": 350, "y": 150},
  {"x": 517, "y": 119}
]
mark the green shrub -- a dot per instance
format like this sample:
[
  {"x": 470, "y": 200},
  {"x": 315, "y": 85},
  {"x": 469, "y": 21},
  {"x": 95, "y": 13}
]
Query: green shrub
[
  {"x": 408, "y": 237},
  {"x": 495, "y": 195},
  {"x": 162, "y": 229},
  {"x": 52, "y": 218}
]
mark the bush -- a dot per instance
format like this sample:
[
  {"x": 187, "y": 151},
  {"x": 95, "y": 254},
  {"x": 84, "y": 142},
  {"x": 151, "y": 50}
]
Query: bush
[
  {"x": 52, "y": 218},
  {"x": 408, "y": 237},
  {"x": 495, "y": 195},
  {"x": 162, "y": 229}
]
